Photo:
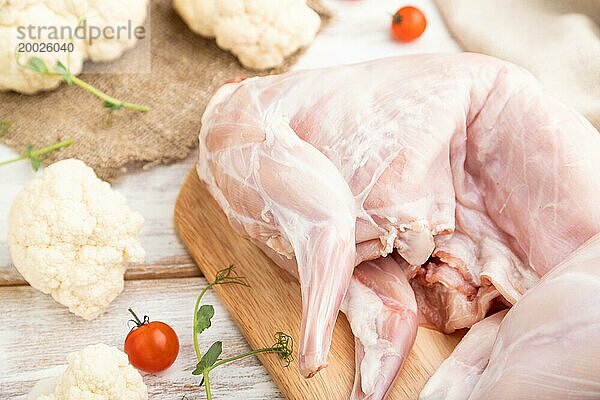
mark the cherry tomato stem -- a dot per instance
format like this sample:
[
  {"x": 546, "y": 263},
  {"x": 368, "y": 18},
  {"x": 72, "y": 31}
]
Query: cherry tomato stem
[{"x": 136, "y": 319}]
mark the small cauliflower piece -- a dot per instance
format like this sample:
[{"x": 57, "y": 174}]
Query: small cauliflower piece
[
  {"x": 99, "y": 372},
  {"x": 71, "y": 235},
  {"x": 17, "y": 15},
  {"x": 113, "y": 14},
  {"x": 261, "y": 33},
  {"x": 22, "y": 13}
]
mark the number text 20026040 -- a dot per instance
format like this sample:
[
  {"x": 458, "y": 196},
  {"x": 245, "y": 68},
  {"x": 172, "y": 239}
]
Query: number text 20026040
[{"x": 45, "y": 47}]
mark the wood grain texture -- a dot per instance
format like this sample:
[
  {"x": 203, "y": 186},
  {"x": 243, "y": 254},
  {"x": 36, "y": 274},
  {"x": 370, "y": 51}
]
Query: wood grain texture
[
  {"x": 171, "y": 267},
  {"x": 36, "y": 334},
  {"x": 272, "y": 303}
]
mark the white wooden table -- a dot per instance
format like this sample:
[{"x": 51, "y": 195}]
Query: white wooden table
[{"x": 36, "y": 333}]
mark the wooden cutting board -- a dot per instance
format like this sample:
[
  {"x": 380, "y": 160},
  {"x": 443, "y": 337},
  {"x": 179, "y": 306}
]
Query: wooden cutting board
[{"x": 272, "y": 304}]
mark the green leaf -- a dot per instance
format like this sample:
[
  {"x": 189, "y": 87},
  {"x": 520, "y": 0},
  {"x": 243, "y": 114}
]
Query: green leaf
[
  {"x": 64, "y": 72},
  {"x": 4, "y": 128},
  {"x": 36, "y": 163},
  {"x": 112, "y": 106},
  {"x": 209, "y": 358},
  {"x": 203, "y": 317},
  {"x": 38, "y": 65}
]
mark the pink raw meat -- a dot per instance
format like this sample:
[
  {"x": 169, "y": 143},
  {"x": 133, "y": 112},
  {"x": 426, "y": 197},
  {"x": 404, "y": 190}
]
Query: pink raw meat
[{"x": 546, "y": 347}]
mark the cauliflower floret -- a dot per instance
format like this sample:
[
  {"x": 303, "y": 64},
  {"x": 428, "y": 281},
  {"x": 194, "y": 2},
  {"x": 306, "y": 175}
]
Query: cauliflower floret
[
  {"x": 261, "y": 33},
  {"x": 71, "y": 235},
  {"x": 99, "y": 372},
  {"x": 23, "y": 14},
  {"x": 111, "y": 13},
  {"x": 17, "y": 15}
]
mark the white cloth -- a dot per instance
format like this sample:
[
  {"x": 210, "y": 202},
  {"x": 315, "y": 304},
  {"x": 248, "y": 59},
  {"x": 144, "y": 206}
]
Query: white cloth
[{"x": 556, "y": 40}]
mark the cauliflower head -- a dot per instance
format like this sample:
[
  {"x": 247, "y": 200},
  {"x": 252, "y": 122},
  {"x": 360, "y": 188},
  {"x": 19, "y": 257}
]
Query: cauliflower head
[
  {"x": 261, "y": 33},
  {"x": 71, "y": 235},
  {"x": 99, "y": 372},
  {"x": 17, "y": 15}
]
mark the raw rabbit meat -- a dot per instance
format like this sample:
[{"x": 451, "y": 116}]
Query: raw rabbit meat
[
  {"x": 460, "y": 164},
  {"x": 547, "y": 346},
  {"x": 459, "y": 373},
  {"x": 382, "y": 312},
  {"x": 381, "y": 308}
]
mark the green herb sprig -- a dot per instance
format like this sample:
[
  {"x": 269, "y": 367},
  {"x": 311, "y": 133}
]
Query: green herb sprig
[
  {"x": 35, "y": 155},
  {"x": 110, "y": 103},
  {"x": 283, "y": 344}
]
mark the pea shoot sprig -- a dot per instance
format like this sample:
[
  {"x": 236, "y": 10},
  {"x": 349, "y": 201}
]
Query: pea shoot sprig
[
  {"x": 60, "y": 70},
  {"x": 32, "y": 154},
  {"x": 283, "y": 344}
]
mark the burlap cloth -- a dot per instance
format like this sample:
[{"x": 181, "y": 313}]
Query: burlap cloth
[{"x": 186, "y": 69}]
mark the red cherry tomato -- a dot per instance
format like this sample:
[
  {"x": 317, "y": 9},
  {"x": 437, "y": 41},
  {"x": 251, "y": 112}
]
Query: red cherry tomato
[
  {"x": 408, "y": 23},
  {"x": 151, "y": 346}
]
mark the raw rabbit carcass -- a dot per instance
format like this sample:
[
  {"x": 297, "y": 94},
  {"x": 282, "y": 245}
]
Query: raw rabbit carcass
[{"x": 461, "y": 167}]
